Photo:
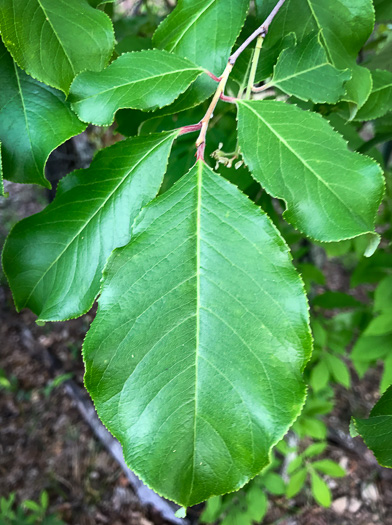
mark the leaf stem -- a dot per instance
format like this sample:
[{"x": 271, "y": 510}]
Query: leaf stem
[
  {"x": 261, "y": 31},
  {"x": 255, "y": 62},
  {"x": 200, "y": 143}
]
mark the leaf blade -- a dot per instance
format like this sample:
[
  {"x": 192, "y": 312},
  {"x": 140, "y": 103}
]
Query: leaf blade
[
  {"x": 282, "y": 162},
  {"x": 80, "y": 228},
  {"x": 182, "y": 234},
  {"x": 75, "y": 37}
]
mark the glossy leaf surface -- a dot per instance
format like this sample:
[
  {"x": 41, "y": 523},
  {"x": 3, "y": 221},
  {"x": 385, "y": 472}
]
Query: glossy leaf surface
[
  {"x": 380, "y": 100},
  {"x": 144, "y": 80},
  {"x": 91, "y": 215},
  {"x": 331, "y": 193},
  {"x": 34, "y": 120},
  {"x": 54, "y": 40},
  {"x": 345, "y": 26},
  {"x": 204, "y": 31},
  {"x": 194, "y": 360},
  {"x": 377, "y": 430},
  {"x": 304, "y": 71}
]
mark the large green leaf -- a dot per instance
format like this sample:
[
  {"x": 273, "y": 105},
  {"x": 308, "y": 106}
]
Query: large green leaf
[
  {"x": 331, "y": 193},
  {"x": 34, "y": 120},
  {"x": 194, "y": 360},
  {"x": 345, "y": 26},
  {"x": 304, "y": 71},
  {"x": 54, "y": 40},
  {"x": 91, "y": 214},
  {"x": 380, "y": 100},
  {"x": 203, "y": 31},
  {"x": 377, "y": 430},
  {"x": 144, "y": 80},
  {"x": 383, "y": 10}
]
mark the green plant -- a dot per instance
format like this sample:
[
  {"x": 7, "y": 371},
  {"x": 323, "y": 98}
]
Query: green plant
[
  {"x": 28, "y": 512},
  {"x": 195, "y": 358}
]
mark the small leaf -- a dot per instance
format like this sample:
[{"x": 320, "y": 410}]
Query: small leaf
[
  {"x": 90, "y": 216},
  {"x": 377, "y": 430},
  {"x": 329, "y": 197},
  {"x": 274, "y": 483},
  {"x": 175, "y": 369},
  {"x": 338, "y": 370},
  {"x": 380, "y": 100},
  {"x": 294, "y": 465},
  {"x": 296, "y": 483},
  {"x": 314, "y": 450},
  {"x": 383, "y": 295},
  {"x": 257, "y": 504},
  {"x": 329, "y": 467},
  {"x": 386, "y": 379},
  {"x": 144, "y": 80},
  {"x": 34, "y": 120},
  {"x": 212, "y": 510},
  {"x": 320, "y": 490},
  {"x": 53, "y": 41},
  {"x": 381, "y": 325},
  {"x": 304, "y": 71},
  {"x": 319, "y": 376}
]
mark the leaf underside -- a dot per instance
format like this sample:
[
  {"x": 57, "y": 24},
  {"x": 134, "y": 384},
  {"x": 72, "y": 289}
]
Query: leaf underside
[{"x": 196, "y": 395}]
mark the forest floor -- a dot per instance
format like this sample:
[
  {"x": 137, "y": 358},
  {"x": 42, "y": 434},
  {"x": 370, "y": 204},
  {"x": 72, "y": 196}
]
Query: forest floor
[{"x": 45, "y": 444}]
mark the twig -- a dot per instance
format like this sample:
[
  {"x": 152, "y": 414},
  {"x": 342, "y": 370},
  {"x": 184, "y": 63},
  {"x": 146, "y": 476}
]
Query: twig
[
  {"x": 200, "y": 143},
  {"x": 261, "y": 31},
  {"x": 219, "y": 94}
]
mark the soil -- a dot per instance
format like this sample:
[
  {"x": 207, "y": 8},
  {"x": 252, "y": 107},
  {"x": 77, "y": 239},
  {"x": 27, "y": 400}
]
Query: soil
[{"x": 46, "y": 445}]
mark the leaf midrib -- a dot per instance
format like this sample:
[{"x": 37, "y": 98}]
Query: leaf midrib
[
  {"x": 123, "y": 179},
  {"x": 47, "y": 19},
  {"x": 135, "y": 82},
  {"x": 303, "y": 72}
]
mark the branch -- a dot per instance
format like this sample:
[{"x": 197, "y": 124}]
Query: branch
[{"x": 261, "y": 31}]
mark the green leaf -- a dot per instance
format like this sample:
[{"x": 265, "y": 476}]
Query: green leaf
[
  {"x": 386, "y": 379},
  {"x": 257, "y": 504},
  {"x": 329, "y": 467},
  {"x": 320, "y": 490},
  {"x": 314, "y": 450},
  {"x": 380, "y": 100},
  {"x": 296, "y": 483},
  {"x": 91, "y": 214},
  {"x": 274, "y": 483},
  {"x": 294, "y": 465},
  {"x": 204, "y": 32},
  {"x": 319, "y": 376},
  {"x": 304, "y": 71},
  {"x": 383, "y": 59},
  {"x": 144, "y": 80},
  {"x": 34, "y": 120},
  {"x": 332, "y": 196},
  {"x": 383, "y": 295},
  {"x": 383, "y": 10},
  {"x": 377, "y": 430},
  {"x": 54, "y": 40},
  {"x": 204, "y": 317},
  {"x": 338, "y": 370},
  {"x": 331, "y": 300},
  {"x": 212, "y": 510},
  {"x": 345, "y": 27},
  {"x": 380, "y": 325}
]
